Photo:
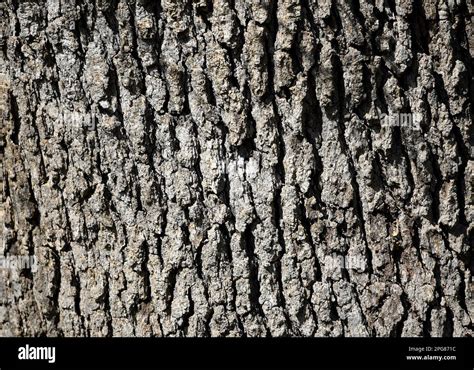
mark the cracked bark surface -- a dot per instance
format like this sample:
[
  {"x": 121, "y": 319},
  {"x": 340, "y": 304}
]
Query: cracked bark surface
[{"x": 204, "y": 168}]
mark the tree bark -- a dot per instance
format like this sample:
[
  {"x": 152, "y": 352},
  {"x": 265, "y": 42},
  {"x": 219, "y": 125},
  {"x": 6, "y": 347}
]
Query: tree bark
[{"x": 237, "y": 168}]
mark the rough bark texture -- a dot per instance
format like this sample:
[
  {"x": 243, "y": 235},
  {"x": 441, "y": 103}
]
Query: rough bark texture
[{"x": 204, "y": 168}]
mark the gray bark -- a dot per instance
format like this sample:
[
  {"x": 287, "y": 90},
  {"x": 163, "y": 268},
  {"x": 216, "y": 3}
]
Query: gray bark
[{"x": 224, "y": 168}]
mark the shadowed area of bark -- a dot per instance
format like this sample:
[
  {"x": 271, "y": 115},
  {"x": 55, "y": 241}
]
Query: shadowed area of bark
[{"x": 237, "y": 168}]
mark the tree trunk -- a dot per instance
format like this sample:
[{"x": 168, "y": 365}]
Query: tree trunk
[{"x": 237, "y": 168}]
